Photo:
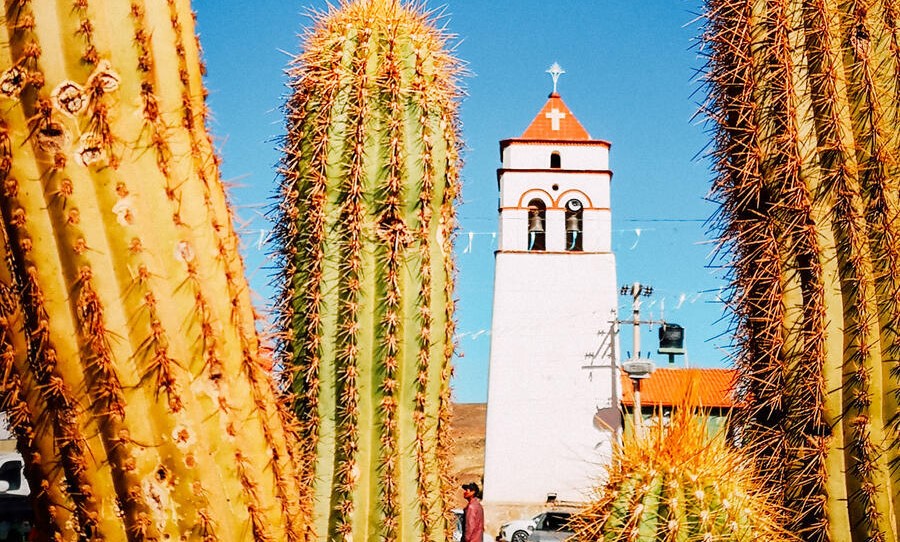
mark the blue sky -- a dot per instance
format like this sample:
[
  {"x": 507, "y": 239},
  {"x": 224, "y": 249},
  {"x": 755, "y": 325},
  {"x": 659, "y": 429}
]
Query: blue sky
[{"x": 630, "y": 80}]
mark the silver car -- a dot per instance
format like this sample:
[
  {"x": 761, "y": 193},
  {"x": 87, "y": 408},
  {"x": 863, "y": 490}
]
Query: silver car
[{"x": 551, "y": 526}]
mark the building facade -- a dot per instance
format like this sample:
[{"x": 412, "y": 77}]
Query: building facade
[{"x": 552, "y": 394}]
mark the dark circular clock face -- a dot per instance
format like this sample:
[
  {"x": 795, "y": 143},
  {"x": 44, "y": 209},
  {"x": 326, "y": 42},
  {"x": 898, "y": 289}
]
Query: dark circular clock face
[{"x": 573, "y": 205}]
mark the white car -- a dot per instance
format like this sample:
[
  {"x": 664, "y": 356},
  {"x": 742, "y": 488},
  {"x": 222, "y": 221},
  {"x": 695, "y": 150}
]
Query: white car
[
  {"x": 457, "y": 534},
  {"x": 548, "y": 525}
]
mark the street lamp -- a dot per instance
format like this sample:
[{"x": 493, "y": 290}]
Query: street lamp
[{"x": 637, "y": 368}]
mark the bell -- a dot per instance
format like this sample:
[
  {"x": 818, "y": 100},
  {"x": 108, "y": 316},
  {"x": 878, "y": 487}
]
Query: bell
[
  {"x": 572, "y": 223},
  {"x": 535, "y": 223}
]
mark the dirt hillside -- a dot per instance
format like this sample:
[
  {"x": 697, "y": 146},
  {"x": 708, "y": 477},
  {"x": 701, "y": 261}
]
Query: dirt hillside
[{"x": 468, "y": 446}]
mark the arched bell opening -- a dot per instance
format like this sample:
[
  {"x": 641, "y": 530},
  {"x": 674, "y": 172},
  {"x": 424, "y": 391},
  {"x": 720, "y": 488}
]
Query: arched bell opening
[
  {"x": 555, "y": 160},
  {"x": 537, "y": 220}
]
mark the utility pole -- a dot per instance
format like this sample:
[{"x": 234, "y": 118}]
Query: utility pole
[{"x": 637, "y": 368}]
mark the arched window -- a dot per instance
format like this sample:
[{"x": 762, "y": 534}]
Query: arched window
[
  {"x": 574, "y": 221},
  {"x": 555, "y": 160},
  {"x": 537, "y": 218}
]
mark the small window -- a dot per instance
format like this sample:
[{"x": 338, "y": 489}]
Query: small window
[
  {"x": 537, "y": 218},
  {"x": 574, "y": 222},
  {"x": 555, "y": 160}
]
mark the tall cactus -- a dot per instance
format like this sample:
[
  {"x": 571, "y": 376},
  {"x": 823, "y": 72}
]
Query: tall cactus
[
  {"x": 370, "y": 176},
  {"x": 129, "y": 359},
  {"x": 675, "y": 482},
  {"x": 805, "y": 96}
]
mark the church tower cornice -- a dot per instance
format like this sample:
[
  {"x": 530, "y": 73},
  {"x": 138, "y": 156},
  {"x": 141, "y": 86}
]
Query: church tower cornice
[
  {"x": 558, "y": 142},
  {"x": 501, "y": 171}
]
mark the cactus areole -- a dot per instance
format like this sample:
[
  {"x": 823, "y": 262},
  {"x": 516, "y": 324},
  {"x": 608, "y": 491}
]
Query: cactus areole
[
  {"x": 370, "y": 176},
  {"x": 803, "y": 96},
  {"x": 129, "y": 362}
]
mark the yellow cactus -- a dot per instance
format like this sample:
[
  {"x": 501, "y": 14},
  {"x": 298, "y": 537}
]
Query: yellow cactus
[
  {"x": 674, "y": 482},
  {"x": 370, "y": 178},
  {"x": 131, "y": 366},
  {"x": 803, "y": 99}
]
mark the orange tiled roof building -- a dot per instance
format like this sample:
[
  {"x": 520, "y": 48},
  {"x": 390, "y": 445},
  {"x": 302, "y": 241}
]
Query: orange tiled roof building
[
  {"x": 714, "y": 388},
  {"x": 665, "y": 389}
]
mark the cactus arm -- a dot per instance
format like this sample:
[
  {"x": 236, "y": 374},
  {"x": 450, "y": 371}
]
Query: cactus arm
[
  {"x": 833, "y": 234},
  {"x": 367, "y": 268},
  {"x": 109, "y": 310}
]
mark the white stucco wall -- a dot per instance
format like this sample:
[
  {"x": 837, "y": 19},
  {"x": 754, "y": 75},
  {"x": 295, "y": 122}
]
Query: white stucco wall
[
  {"x": 584, "y": 155},
  {"x": 550, "y": 310}
]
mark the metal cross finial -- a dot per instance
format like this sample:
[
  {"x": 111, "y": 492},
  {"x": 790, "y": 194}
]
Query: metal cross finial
[{"x": 555, "y": 71}]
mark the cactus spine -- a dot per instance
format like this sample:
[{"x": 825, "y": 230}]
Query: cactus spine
[
  {"x": 677, "y": 483},
  {"x": 370, "y": 176},
  {"x": 131, "y": 367},
  {"x": 804, "y": 99}
]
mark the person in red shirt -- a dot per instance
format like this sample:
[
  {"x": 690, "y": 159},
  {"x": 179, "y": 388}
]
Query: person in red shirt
[{"x": 473, "y": 514}]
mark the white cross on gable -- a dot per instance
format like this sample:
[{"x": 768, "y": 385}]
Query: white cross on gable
[{"x": 555, "y": 115}]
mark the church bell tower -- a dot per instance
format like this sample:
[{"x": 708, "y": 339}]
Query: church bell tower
[{"x": 552, "y": 397}]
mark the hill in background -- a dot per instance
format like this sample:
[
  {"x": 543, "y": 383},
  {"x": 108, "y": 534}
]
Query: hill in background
[{"x": 468, "y": 444}]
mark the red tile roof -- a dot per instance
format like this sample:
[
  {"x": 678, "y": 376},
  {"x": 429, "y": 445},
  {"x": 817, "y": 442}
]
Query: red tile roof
[
  {"x": 669, "y": 387},
  {"x": 556, "y": 114}
]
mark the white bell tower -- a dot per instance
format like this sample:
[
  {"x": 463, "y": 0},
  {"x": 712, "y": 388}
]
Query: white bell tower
[{"x": 552, "y": 395}]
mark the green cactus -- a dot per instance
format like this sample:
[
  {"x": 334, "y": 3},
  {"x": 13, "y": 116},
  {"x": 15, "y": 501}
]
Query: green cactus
[
  {"x": 803, "y": 96},
  {"x": 129, "y": 360},
  {"x": 370, "y": 176},
  {"x": 676, "y": 483}
]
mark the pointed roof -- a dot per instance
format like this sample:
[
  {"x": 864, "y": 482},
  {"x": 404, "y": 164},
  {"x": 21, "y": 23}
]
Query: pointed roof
[{"x": 556, "y": 122}]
